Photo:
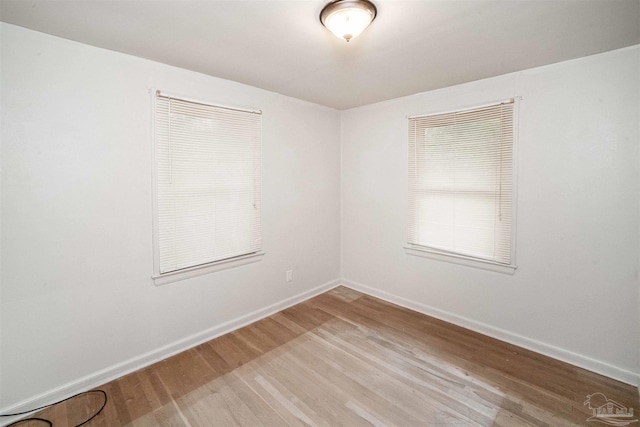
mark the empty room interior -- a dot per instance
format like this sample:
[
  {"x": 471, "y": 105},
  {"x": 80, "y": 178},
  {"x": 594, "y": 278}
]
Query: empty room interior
[{"x": 290, "y": 213}]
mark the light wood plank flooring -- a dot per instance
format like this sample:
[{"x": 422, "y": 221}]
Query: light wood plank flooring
[{"x": 347, "y": 359}]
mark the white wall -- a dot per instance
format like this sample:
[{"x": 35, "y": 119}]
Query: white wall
[
  {"x": 78, "y": 303},
  {"x": 575, "y": 293}
]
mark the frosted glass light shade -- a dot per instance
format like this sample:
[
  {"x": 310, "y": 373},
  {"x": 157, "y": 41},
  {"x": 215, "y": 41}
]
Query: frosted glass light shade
[{"x": 348, "y": 18}]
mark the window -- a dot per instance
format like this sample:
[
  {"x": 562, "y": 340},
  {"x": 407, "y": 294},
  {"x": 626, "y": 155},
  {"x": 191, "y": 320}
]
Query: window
[
  {"x": 208, "y": 186},
  {"x": 461, "y": 185}
]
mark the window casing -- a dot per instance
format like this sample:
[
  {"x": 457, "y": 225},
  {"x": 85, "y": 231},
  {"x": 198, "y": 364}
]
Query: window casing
[
  {"x": 207, "y": 185},
  {"x": 461, "y": 184}
]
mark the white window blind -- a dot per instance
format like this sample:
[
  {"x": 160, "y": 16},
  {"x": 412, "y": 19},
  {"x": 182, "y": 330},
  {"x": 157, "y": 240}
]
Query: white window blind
[
  {"x": 461, "y": 183},
  {"x": 208, "y": 176}
]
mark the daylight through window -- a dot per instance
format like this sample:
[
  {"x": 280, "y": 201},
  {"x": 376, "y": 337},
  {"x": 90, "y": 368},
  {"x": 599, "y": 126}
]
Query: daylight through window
[
  {"x": 461, "y": 183},
  {"x": 208, "y": 183}
]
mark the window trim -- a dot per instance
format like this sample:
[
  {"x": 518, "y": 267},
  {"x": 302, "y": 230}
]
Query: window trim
[
  {"x": 196, "y": 270},
  {"x": 199, "y": 270},
  {"x": 424, "y": 252},
  {"x": 461, "y": 259}
]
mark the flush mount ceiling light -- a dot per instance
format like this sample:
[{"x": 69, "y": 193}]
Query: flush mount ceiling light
[{"x": 348, "y": 18}]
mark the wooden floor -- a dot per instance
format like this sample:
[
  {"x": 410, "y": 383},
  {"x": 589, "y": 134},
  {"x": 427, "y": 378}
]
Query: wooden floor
[{"x": 346, "y": 359}]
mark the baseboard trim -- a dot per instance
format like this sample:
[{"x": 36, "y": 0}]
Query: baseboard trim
[
  {"x": 116, "y": 371},
  {"x": 555, "y": 352}
]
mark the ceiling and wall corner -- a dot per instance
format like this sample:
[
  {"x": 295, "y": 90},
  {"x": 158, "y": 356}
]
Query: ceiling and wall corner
[{"x": 281, "y": 46}]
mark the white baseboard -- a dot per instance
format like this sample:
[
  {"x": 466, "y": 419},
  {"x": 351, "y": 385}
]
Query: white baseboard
[
  {"x": 103, "y": 376},
  {"x": 558, "y": 353},
  {"x": 116, "y": 371}
]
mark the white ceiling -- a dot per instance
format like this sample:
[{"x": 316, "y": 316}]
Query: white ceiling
[{"x": 411, "y": 47}]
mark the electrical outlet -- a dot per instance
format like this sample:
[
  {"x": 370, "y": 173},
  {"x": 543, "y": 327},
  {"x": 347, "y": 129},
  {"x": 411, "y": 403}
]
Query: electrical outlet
[{"x": 289, "y": 275}]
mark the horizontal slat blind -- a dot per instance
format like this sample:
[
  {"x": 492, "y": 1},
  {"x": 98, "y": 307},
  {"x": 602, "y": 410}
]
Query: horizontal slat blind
[
  {"x": 461, "y": 182},
  {"x": 208, "y": 163}
]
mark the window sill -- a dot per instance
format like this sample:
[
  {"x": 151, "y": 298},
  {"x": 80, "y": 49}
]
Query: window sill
[
  {"x": 174, "y": 276},
  {"x": 461, "y": 260}
]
